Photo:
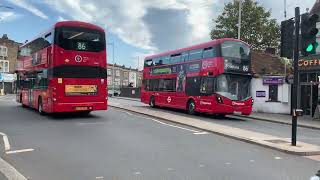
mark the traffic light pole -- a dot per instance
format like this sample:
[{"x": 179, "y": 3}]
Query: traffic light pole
[{"x": 295, "y": 79}]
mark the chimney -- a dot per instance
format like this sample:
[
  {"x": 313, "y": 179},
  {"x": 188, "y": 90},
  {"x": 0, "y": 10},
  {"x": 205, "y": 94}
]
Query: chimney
[
  {"x": 270, "y": 51},
  {"x": 5, "y": 36}
]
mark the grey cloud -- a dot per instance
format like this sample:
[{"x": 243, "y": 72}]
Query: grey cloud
[{"x": 169, "y": 28}]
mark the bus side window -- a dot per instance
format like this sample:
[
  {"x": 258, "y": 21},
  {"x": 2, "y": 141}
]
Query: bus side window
[
  {"x": 209, "y": 52},
  {"x": 193, "y": 84},
  {"x": 146, "y": 84},
  {"x": 185, "y": 56},
  {"x": 42, "y": 80},
  {"x": 176, "y": 58},
  {"x": 195, "y": 54},
  {"x": 207, "y": 85},
  {"x": 157, "y": 61},
  {"x": 148, "y": 63}
]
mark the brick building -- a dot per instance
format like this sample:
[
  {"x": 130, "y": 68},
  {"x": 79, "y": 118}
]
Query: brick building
[
  {"x": 121, "y": 76},
  {"x": 8, "y": 59}
]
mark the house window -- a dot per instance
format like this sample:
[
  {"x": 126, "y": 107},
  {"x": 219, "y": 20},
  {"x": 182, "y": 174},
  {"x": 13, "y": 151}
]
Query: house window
[
  {"x": 125, "y": 74},
  {"x": 117, "y": 73},
  {"x": 3, "y": 51},
  {"x": 273, "y": 92},
  {"x": 4, "y": 66},
  {"x": 109, "y": 72}
]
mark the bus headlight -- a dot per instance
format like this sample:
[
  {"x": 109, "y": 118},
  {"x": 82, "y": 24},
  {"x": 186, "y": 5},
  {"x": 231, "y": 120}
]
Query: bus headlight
[{"x": 252, "y": 101}]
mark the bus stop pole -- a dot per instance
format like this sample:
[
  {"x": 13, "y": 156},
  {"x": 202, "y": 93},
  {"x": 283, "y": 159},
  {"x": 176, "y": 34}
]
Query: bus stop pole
[{"x": 295, "y": 78}]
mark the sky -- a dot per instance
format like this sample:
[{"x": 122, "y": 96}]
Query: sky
[{"x": 136, "y": 27}]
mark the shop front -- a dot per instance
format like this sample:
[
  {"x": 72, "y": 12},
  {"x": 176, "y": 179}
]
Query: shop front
[{"x": 309, "y": 87}]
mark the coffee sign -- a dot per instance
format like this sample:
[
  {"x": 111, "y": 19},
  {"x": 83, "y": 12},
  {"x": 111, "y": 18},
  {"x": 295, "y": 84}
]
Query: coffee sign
[{"x": 310, "y": 64}]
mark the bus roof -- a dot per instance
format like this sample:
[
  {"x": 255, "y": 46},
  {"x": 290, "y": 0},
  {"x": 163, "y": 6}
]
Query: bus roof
[
  {"x": 202, "y": 45},
  {"x": 66, "y": 23},
  {"x": 77, "y": 24}
]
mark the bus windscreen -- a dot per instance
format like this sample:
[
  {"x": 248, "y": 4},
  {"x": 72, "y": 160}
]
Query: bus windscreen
[{"x": 80, "y": 39}]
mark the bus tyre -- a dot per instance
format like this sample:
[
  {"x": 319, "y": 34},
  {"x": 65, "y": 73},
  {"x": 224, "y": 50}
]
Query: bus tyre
[
  {"x": 220, "y": 116},
  {"x": 40, "y": 107},
  {"x": 152, "y": 102},
  {"x": 191, "y": 107}
]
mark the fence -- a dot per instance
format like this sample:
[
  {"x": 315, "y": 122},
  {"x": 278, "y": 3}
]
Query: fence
[{"x": 130, "y": 92}]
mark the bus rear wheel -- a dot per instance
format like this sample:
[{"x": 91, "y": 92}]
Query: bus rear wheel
[
  {"x": 152, "y": 102},
  {"x": 191, "y": 106}
]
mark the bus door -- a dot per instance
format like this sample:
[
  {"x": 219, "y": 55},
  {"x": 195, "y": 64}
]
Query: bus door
[
  {"x": 206, "y": 91},
  {"x": 181, "y": 98},
  {"x": 30, "y": 91}
]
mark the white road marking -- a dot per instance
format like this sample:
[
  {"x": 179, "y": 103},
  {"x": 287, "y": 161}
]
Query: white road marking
[
  {"x": 10, "y": 172},
  {"x": 227, "y": 163},
  {"x": 277, "y": 157},
  {"x": 99, "y": 177},
  {"x": 137, "y": 173},
  {"x": 160, "y": 122},
  {"x": 201, "y": 133},
  {"x": 251, "y": 160},
  {"x": 5, "y": 141},
  {"x": 170, "y": 169},
  {"x": 90, "y": 123},
  {"x": 201, "y": 165},
  {"x": 129, "y": 113},
  {"x": 19, "y": 151},
  {"x": 172, "y": 125}
]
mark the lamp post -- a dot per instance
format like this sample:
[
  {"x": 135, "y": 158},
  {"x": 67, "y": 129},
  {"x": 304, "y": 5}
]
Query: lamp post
[
  {"x": 113, "y": 70},
  {"x": 2, "y": 68},
  {"x": 239, "y": 19}
]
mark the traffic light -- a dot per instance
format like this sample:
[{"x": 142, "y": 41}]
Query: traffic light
[
  {"x": 308, "y": 33},
  {"x": 287, "y": 28}
]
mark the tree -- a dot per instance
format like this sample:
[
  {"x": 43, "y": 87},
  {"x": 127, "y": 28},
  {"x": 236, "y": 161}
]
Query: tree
[{"x": 257, "y": 28}]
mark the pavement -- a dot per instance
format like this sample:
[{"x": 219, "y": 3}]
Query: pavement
[
  {"x": 245, "y": 133},
  {"x": 117, "y": 144},
  {"x": 303, "y": 121}
]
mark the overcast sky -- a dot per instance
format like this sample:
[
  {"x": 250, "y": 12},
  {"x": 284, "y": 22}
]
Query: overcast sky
[{"x": 137, "y": 27}]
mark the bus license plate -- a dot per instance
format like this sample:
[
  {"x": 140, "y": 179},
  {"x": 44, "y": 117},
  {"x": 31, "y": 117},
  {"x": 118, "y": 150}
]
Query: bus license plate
[
  {"x": 237, "y": 113},
  {"x": 81, "y": 89},
  {"x": 81, "y": 108}
]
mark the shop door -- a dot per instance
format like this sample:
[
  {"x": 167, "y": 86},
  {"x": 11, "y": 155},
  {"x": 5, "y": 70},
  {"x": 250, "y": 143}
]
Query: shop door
[
  {"x": 314, "y": 100},
  {"x": 306, "y": 99}
]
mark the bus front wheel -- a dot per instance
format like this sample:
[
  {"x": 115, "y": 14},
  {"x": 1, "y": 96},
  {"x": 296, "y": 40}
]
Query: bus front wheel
[
  {"x": 191, "y": 107},
  {"x": 152, "y": 102}
]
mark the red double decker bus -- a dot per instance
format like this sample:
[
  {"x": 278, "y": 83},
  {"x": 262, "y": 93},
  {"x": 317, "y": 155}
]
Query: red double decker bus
[
  {"x": 64, "y": 69},
  {"x": 212, "y": 77}
]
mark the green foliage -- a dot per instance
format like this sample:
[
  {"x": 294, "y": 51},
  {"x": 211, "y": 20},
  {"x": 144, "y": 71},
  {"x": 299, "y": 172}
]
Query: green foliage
[{"x": 257, "y": 28}]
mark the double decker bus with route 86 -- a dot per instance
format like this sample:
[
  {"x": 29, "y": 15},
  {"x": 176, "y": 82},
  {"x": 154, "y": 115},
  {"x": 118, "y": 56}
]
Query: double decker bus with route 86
[
  {"x": 64, "y": 69},
  {"x": 212, "y": 77}
]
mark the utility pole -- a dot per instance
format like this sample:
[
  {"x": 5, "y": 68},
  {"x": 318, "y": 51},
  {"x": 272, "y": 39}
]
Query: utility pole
[
  {"x": 2, "y": 90},
  {"x": 239, "y": 20},
  {"x": 295, "y": 78},
  {"x": 2, "y": 76},
  {"x": 113, "y": 69}
]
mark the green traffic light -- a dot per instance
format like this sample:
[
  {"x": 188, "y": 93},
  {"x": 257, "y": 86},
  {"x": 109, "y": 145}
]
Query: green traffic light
[{"x": 309, "y": 48}]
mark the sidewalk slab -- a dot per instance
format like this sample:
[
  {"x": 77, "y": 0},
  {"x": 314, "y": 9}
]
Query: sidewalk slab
[
  {"x": 303, "y": 121},
  {"x": 281, "y": 144}
]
